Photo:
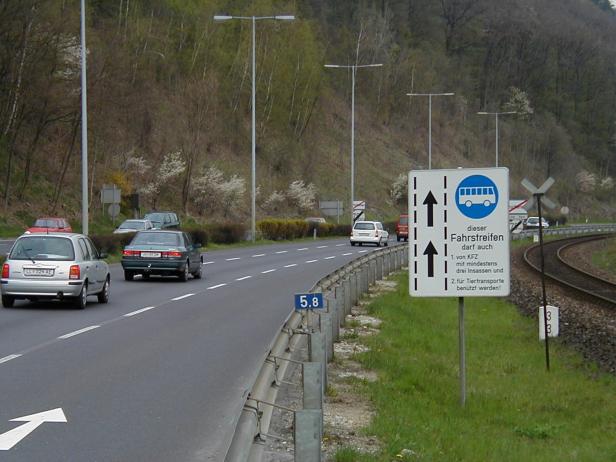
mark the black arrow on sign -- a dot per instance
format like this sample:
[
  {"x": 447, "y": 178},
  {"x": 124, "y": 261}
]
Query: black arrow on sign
[
  {"x": 430, "y": 252},
  {"x": 430, "y": 200}
]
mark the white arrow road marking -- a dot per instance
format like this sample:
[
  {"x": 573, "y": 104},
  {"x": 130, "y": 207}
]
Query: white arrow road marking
[
  {"x": 77, "y": 332},
  {"x": 142, "y": 310},
  {"x": 181, "y": 297},
  {"x": 14, "y": 436},
  {"x": 8, "y": 358}
]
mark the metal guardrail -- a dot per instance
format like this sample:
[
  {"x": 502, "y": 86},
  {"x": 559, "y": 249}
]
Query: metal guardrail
[
  {"x": 341, "y": 288},
  {"x": 567, "y": 231}
]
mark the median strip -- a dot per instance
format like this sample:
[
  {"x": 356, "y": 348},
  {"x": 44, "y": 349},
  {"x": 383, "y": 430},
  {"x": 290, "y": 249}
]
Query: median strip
[
  {"x": 8, "y": 358},
  {"x": 181, "y": 297},
  {"x": 77, "y": 332},
  {"x": 147, "y": 308}
]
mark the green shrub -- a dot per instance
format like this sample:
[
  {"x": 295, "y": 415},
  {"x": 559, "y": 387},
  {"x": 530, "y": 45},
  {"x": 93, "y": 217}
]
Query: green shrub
[
  {"x": 2, "y": 258},
  {"x": 111, "y": 243},
  {"x": 226, "y": 233}
]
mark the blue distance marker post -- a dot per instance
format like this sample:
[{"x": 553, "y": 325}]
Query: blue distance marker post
[{"x": 309, "y": 302}]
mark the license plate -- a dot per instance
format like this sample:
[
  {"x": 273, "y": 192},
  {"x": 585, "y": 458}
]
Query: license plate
[
  {"x": 38, "y": 272},
  {"x": 150, "y": 254}
]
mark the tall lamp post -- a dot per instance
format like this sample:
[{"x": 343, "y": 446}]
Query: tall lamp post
[
  {"x": 353, "y": 72},
  {"x": 254, "y": 20},
  {"x": 84, "y": 126},
  {"x": 430, "y": 95},
  {"x": 496, "y": 114}
]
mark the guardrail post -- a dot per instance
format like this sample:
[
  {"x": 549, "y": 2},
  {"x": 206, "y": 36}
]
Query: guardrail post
[
  {"x": 339, "y": 291},
  {"x": 347, "y": 299},
  {"x": 353, "y": 277},
  {"x": 379, "y": 267},
  {"x": 327, "y": 328},
  {"x": 318, "y": 354},
  {"x": 397, "y": 260},
  {"x": 307, "y": 435},
  {"x": 357, "y": 273},
  {"x": 312, "y": 381},
  {"x": 365, "y": 275},
  {"x": 333, "y": 306}
]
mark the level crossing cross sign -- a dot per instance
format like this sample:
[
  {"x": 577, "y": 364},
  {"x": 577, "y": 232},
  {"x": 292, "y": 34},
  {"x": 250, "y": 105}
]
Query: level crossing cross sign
[{"x": 459, "y": 241}]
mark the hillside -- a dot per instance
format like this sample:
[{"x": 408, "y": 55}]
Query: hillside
[{"x": 169, "y": 101}]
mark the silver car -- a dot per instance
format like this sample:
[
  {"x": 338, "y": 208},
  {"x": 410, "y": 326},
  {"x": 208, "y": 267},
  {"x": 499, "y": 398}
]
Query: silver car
[
  {"x": 54, "y": 266},
  {"x": 369, "y": 232}
]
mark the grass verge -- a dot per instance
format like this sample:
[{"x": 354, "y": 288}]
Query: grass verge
[
  {"x": 606, "y": 258},
  {"x": 516, "y": 411}
]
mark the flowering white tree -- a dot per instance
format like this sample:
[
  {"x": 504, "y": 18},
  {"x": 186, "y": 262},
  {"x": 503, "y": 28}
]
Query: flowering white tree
[
  {"x": 171, "y": 167},
  {"x": 398, "y": 192},
  {"x": 519, "y": 102},
  {"x": 275, "y": 202},
  {"x": 302, "y": 196},
  {"x": 216, "y": 194},
  {"x": 585, "y": 181},
  {"x": 607, "y": 183}
]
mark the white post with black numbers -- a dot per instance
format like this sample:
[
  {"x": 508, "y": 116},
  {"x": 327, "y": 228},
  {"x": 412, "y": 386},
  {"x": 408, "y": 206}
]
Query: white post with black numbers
[{"x": 459, "y": 241}]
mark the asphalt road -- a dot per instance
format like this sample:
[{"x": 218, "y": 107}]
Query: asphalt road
[{"x": 159, "y": 373}]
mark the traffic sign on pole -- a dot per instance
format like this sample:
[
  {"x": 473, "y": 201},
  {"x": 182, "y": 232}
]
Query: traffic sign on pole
[{"x": 460, "y": 232}]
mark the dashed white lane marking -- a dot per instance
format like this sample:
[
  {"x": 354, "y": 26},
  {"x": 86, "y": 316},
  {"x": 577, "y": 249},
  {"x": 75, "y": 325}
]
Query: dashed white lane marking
[
  {"x": 77, "y": 332},
  {"x": 8, "y": 358},
  {"x": 291, "y": 265},
  {"x": 142, "y": 310},
  {"x": 181, "y": 297},
  {"x": 208, "y": 262},
  {"x": 258, "y": 255},
  {"x": 282, "y": 251},
  {"x": 362, "y": 251},
  {"x": 244, "y": 278},
  {"x": 340, "y": 245},
  {"x": 311, "y": 261},
  {"x": 216, "y": 286},
  {"x": 321, "y": 246},
  {"x": 303, "y": 248},
  {"x": 345, "y": 254},
  {"x": 232, "y": 259},
  {"x": 329, "y": 258},
  {"x": 268, "y": 271}
]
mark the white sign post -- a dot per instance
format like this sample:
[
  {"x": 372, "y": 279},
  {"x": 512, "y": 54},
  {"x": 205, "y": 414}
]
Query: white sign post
[
  {"x": 359, "y": 208},
  {"x": 459, "y": 241},
  {"x": 552, "y": 321}
]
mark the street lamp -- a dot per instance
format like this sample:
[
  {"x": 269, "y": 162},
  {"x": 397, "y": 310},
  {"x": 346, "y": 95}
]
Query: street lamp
[
  {"x": 430, "y": 95},
  {"x": 496, "y": 114},
  {"x": 254, "y": 19},
  {"x": 84, "y": 126},
  {"x": 354, "y": 70}
]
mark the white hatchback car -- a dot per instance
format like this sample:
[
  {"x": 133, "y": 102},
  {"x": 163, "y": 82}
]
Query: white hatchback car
[
  {"x": 369, "y": 232},
  {"x": 54, "y": 266}
]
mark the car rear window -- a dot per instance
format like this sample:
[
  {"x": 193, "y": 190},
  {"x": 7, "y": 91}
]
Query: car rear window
[
  {"x": 404, "y": 220},
  {"x": 44, "y": 223},
  {"x": 132, "y": 225},
  {"x": 363, "y": 226},
  {"x": 43, "y": 248},
  {"x": 172, "y": 239}
]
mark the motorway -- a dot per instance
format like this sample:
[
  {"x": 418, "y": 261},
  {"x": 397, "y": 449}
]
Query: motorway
[{"x": 158, "y": 374}]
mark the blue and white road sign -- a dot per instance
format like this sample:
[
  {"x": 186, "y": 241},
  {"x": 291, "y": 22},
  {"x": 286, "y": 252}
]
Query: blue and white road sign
[
  {"x": 476, "y": 196},
  {"x": 459, "y": 232},
  {"x": 309, "y": 301}
]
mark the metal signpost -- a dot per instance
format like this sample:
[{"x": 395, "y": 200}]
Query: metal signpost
[
  {"x": 110, "y": 194},
  {"x": 359, "y": 207},
  {"x": 332, "y": 209},
  {"x": 459, "y": 238},
  {"x": 538, "y": 196}
]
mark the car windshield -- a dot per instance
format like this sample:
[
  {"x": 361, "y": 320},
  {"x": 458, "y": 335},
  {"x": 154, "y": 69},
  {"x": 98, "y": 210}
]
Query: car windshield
[
  {"x": 46, "y": 223},
  {"x": 404, "y": 220},
  {"x": 171, "y": 239},
  {"x": 363, "y": 226},
  {"x": 43, "y": 248},
  {"x": 133, "y": 224}
]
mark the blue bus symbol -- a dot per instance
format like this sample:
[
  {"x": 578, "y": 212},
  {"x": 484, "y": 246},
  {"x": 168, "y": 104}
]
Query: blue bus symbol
[{"x": 476, "y": 196}]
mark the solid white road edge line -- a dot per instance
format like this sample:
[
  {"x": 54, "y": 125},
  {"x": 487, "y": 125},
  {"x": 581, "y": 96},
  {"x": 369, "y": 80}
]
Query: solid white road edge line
[
  {"x": 181, "y": 297},
  {"x": 242, "y": 279},
  {"x": 216, "y": 286},
  {"x": 77, "y": 332},
  {"x": 8, "y": 358},
  {"x": 291, "y": 265},
  {"x": 268, "y": 271},
  {"x": 133, "y": 313}
]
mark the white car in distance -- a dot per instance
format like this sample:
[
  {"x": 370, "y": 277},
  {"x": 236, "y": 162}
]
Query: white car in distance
[
  {"x": 132, "y": 226},
  {"x": 369, "y": 232}
]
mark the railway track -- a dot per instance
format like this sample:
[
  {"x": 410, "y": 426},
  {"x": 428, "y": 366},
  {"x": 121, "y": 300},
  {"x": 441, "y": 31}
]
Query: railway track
[{"x": 557, "y": 269}]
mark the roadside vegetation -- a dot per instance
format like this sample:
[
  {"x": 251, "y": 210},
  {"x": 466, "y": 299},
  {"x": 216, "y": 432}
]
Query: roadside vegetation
[
  {"x": 606, "y": 258},
  {"x": 515, "y": 410}
]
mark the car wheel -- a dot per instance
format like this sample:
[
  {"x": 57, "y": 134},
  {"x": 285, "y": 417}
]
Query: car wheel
[
  {"x": 378, "y": 244},
  {"x": 361, "y": 244},
  {"x": 398, "y": 237},
  {"x": 8, "y": 301},
  {"x": 184, "y": 274},
  {"x": 103, "y": 295},
  {"x": 352, "y": 244},
  {"x": 198, "y": 274},
  {"x": 145, "y": 276},
  {"x": 128, "y": 275},
  {"x": 406, "y": 239},
  {"x": 82, "y": 298},
  {"x": 386, "y": 243}
]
